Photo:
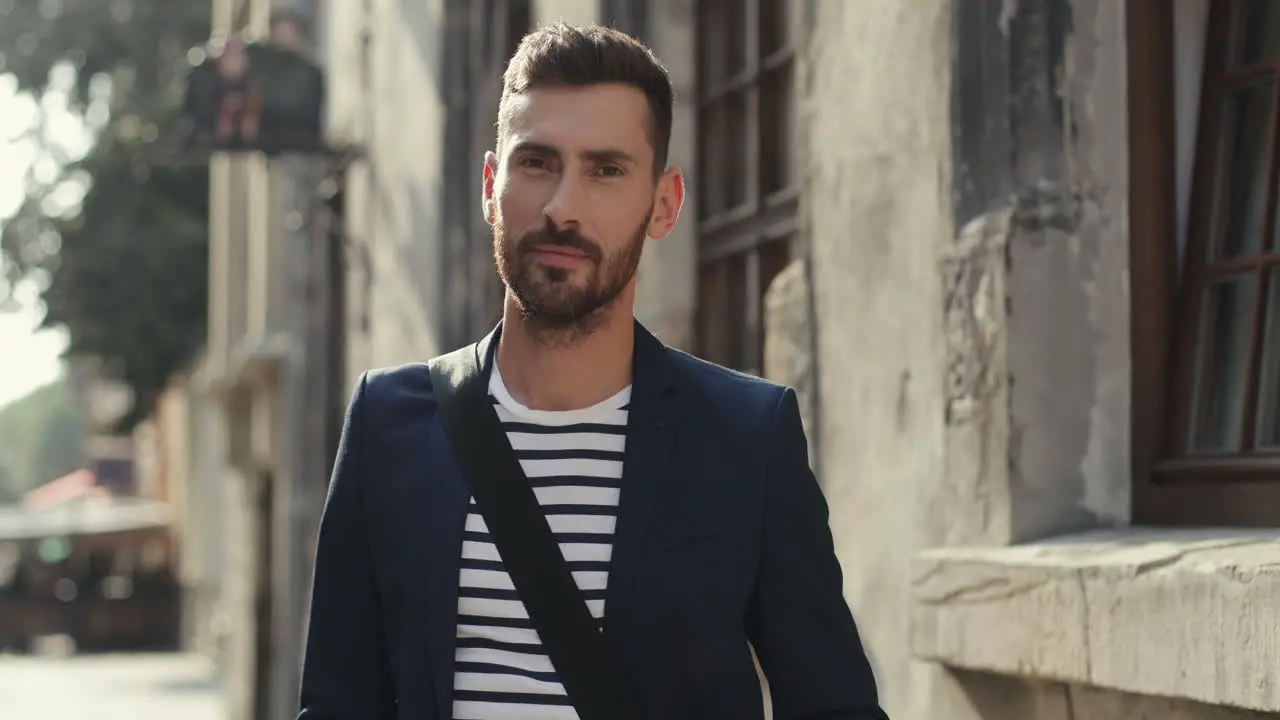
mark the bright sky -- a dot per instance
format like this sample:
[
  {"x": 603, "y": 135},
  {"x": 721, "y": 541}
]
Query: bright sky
[{"x": 29, "y": 359}]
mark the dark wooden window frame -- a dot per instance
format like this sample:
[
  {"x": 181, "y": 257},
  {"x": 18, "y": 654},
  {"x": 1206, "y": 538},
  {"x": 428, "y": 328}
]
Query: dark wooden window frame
[
  {"x": 755, "y": 228},
  {"x": 1170, "y": 486}
]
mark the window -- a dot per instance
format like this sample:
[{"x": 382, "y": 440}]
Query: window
[
  {"x": 1230, "y": 404},
  {"x": 1207, "y": 424},
  {"x": 629, "y": 16},
  {"x": 748, "y": 188},
  {"x": 480, "y": 38}
]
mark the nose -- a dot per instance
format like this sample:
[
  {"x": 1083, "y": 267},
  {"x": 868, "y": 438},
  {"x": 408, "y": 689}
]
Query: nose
[{"x": 564, "y": 208}]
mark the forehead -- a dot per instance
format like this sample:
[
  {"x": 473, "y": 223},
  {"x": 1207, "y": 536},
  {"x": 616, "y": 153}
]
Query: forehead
[{"x": 592, "y": 117}]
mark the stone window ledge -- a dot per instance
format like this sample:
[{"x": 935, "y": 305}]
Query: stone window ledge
[{"x": 1177, "y": 613}]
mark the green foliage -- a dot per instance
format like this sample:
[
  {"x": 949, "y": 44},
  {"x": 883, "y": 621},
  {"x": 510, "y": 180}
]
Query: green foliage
[
  {"x": 42, "y": 438},
  {"x": 137, "y": 39},
  {"x": 9, "y": 494},
  {"x": 126, "y": 269}
]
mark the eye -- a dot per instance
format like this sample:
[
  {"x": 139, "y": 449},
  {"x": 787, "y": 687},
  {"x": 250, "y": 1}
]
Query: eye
[
  {"x": 532, "y": 162},
  {"x": 609, "y": 171}
]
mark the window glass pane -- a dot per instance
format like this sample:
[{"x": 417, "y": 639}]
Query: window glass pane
[
  {"x": 1268, "y": 430},
  {"x": 1223, "y": 362},
  {"x": 629, "y": 16},
  {"x": 1242, "y": 167},
  {"x": 777, "y": 130},
  {"x": 722, "y": 150},
  {"x": 736, "y": 150},
  {"x": 773, "y": 26},
  {"x": 722, "y": 321},
  {"x": 710, "y": 163},
  {"x": 1257, "y": 30},
  {"x": 722, "y": 47},
  {"x": 711, "y": 46}
]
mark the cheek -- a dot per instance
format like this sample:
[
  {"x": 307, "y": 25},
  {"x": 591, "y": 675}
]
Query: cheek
[
  {"x": 621, "y": 217},
  {"x": 520, "y": 204}
]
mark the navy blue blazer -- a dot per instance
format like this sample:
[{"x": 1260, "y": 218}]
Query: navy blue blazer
[{"x": 722, "y": 534}]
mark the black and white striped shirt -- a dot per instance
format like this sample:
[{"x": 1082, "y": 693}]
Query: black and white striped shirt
[{"x": 574, "y": 461}]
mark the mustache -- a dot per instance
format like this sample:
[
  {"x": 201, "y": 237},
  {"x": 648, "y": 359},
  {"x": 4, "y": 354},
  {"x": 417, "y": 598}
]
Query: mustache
[{"x": 567, "y": 238}]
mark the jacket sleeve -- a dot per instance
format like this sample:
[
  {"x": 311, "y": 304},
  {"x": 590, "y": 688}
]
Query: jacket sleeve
[
  {"x": 345, "y": 673},
  {"x": 799, "y": 623}
]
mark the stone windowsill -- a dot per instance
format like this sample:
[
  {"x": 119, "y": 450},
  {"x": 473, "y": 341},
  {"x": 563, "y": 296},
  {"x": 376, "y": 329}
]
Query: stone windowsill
[{"x": 1177, "y": 613}]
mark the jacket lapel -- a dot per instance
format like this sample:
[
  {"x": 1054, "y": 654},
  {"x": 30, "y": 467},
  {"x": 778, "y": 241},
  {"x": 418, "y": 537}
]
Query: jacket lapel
[
  {"x": 450, "y": 499},
  {"x": 651, "y": 430}
]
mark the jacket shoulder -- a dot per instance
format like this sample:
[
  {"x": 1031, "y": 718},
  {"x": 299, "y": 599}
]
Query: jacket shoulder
[
  {"x": 726, "y": 388},
  {"x": 398, "y": 378},
  {"x": 389, "y": 389}
]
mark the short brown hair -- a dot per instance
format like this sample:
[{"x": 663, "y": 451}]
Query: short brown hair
[{"x": 562, "y": 55}]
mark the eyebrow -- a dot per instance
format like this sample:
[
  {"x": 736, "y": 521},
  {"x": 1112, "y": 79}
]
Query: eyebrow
[{"x": 598, "y": 156}]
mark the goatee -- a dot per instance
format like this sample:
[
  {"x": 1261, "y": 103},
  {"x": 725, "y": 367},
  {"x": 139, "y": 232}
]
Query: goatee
[{"x": 563, "y": 305}]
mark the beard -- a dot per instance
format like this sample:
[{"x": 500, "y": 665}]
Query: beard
[{"x": 562, "y": 301}]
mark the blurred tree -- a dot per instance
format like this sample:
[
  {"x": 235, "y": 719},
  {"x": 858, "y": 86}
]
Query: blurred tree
[
  {"x": 119, "y": 249},
  {"x": 61, "y": 447},
  {"x": 42, "y": 438}
]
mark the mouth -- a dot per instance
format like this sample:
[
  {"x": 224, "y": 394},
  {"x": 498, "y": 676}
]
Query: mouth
[{"x": 559, "y": 255}]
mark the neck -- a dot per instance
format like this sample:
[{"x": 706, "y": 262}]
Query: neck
[{"x": 575, "y": 372}]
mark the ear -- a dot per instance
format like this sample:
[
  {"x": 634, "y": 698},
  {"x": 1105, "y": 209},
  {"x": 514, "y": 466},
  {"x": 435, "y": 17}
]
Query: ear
[
  {"x": 667, "y": 202},
  {"x": 490, "y": 176}
]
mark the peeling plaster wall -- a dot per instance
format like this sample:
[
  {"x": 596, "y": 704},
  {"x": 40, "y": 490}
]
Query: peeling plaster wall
[
  {"x": 967, "y": 208},
  {"x": 1068, "y": 269},
  {"x": 971, "y": 503},
  {"x": 1048, "y": 189},
  {"x": 877, "y": 197},
  {"x": 1039, "y": 129}
]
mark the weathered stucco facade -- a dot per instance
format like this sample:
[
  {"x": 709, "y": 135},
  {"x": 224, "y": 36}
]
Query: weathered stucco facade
[
  {"x": 967, "y": 232},
  {"x": 969, "y": 227},
  {"x": 878, "y": 216},
  {"x": 385, "y": 74},
  {"x": 267, "y": 373}
]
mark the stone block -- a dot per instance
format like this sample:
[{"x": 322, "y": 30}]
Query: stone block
[
  {"x": 1180, "y": 614},
  {"x": 789, "y": 341}
]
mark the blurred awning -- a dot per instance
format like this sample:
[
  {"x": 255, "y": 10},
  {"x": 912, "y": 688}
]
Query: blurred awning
[
  {"x": 83, "y": 518},
  {"x": 69, "y": 487}
]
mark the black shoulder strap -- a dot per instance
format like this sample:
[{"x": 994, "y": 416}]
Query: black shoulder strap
[{"x": 570, "y": 635}]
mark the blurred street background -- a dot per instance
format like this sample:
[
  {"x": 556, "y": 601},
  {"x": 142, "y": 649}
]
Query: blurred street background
[
  {"x": 109, "y": 687},
  {"x": 1020, "y": 261}
]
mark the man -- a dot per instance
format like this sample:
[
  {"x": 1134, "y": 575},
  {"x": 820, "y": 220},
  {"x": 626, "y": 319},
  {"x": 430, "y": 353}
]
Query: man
[{"x": 679, "y": 492}]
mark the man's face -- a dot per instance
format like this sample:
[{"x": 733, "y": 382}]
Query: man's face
[{"x": 573, "y": 197}]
